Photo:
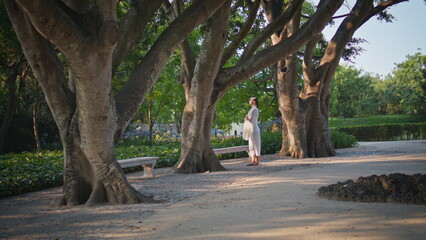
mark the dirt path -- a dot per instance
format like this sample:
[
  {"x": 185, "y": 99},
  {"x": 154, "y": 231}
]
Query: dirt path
[{"x": 276, "y": 200}]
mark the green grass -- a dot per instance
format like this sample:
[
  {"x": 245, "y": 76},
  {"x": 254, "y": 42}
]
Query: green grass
[{"x": 375, "y": 120}]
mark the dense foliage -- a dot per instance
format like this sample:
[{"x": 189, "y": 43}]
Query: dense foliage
[
  {"x": 355, "y": 93},
  {"x": 23, "y": 108},
  {"x": 25, "y": 172},
  {"x": 404, "y": 91},
  {"x": 347, "y": 99}
]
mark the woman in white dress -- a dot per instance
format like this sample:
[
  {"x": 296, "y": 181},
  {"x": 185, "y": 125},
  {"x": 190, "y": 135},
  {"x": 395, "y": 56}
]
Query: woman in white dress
[{"x": 252, "y": 132}]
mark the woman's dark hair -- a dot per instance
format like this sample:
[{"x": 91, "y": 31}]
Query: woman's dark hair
[{"x": 256, "y": 101}]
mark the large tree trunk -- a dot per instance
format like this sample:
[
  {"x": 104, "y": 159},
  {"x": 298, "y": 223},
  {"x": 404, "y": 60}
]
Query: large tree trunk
[
  {"x": 92, "y": 175},
  {"x": 290, "y": 105},
  {"x": 316, "y": 91},
  {"x": 316, "y": 99},
  {"x": 92, "y": 180},
  {"x": 305, "y": 119},
  {"x": 196, "y": 152},
  {"x": 293, "y": 131}
]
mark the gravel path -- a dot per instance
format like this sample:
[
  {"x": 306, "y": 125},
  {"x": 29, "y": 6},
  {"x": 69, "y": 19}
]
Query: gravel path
[
  {"x": 32, "y": 215},
  {"x": 176, "y": 187}
]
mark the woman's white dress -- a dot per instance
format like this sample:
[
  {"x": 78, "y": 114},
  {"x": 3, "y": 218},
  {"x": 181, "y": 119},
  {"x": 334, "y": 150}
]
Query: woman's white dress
[{"x": 251, "y": 132}]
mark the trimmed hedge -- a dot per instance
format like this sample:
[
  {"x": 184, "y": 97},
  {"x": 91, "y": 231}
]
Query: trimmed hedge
[
  {"x": 387, "y": 132},
  {"x": 375, "y": 120}
]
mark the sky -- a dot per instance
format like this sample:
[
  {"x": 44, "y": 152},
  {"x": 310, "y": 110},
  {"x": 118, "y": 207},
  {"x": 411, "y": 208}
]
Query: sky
[{"x": 389, "y": 43}]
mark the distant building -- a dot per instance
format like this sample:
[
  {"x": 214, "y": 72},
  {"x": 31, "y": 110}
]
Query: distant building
[{"x": 236, "y": 129}]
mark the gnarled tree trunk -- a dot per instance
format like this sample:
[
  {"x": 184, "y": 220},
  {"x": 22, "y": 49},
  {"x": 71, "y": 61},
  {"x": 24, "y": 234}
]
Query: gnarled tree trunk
[
  {"x": 305, "y": 117},
  {"x": 293, "y": 117},
  {"x": 303, "y": 132},
  {"x": 316, "y": 91},
  {"x": 92, "y": 180},
  {"x": 196, "y": 152}
]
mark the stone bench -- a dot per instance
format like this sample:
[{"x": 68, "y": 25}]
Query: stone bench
[
  {"x": 148, "y": 164},
  {"x": 243, "y": 148}
]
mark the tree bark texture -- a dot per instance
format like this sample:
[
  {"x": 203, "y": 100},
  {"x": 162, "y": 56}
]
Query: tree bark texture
[
  {"x": 316, "y": 92},
  {"x": 197, "y": 153},
  {"x": 305, "y": 117},
  {"x": 293, "y": 117},
  {"x": 88, "y": 115}
]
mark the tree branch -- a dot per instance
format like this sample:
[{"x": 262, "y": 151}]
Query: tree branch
[
  {"x": 187, "y": 64},
  {"x": 283, "y": 19},
  {"x": 346, "y": 30},
  {"x": 238, "y": 38},
  {"x": 380, "y": 7},
  {"x": 77, "y": 5},
  {"x": 335, "y": 17},
  {"x": 267, "y": 57},
  {"x": 107, "y": 9},
  {"x": 46, "y": 66},
  {"x": 131, "y": 27},
  {"x": 49, "y": 16},
  {"x": 147, "y": 72},
  {"x": 335, "y": 47},
  {"x": 307, "y": 60},
  {"x": 209, "y": 59}
]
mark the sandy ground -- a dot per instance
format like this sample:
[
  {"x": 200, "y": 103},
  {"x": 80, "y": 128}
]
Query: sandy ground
[{"x": 276, "y": 200}]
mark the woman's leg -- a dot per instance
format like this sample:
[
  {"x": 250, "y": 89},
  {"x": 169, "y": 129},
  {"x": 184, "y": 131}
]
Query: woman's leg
[
  {"x": 256, "y": 148},
  {"x": 255, "y": 160},
  {"x": 251, "y": 150}
]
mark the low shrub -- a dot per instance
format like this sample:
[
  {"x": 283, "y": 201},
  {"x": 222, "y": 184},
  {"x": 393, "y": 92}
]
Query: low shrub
[
  {"x": 27, "y": 172},
  {"x": 342, "y": 139},
  {"x": 271, "y": 142}
]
